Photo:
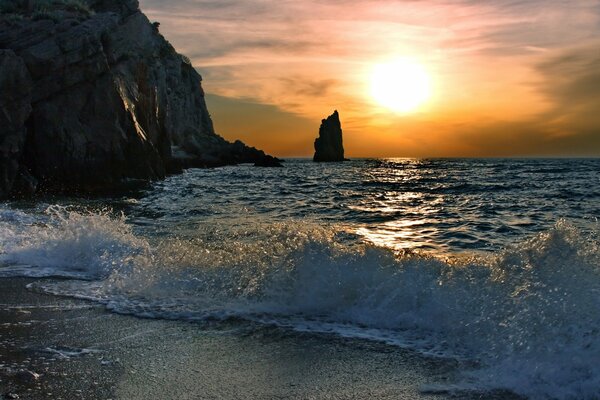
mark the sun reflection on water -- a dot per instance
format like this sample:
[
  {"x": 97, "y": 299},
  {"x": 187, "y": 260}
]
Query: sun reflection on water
[{"x": 401, "y": 219}]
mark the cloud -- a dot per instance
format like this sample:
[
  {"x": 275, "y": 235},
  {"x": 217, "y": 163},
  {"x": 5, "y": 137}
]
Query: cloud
[
  {"x": 227, "y": 46},
  {"x": 571, "y": 82},
  {"x": 300, "y": 86},
  {"x": 508, "y": 28}
]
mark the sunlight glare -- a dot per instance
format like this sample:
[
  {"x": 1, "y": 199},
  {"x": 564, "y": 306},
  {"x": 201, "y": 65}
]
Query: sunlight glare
[{"x": 401, "y": 86}]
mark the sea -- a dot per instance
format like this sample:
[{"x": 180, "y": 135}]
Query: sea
[{"x": 491, "y": 263}]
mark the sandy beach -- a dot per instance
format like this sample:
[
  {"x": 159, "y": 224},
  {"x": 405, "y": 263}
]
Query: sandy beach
[{"x": 61, "y": 348}]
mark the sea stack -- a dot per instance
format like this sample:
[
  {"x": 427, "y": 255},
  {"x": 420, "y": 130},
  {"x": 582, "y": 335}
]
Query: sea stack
[{"x": 329, "y": 145}]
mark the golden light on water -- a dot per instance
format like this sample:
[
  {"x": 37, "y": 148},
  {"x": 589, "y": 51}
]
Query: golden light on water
[
  {"x": 414, "y": 229},
  {"x": 401, "y": 85},
  {"x": 399, "y": 235}
]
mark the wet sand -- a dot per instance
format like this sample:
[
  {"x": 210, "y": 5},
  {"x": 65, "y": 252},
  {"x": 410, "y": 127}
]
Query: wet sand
[{"x": 81, "y": 351}]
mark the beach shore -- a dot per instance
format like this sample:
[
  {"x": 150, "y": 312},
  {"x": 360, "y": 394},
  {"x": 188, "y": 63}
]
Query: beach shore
[{"x": 62, "y": 348}]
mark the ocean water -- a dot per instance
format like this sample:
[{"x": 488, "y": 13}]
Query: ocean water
[{"x": 493, "y": 263}]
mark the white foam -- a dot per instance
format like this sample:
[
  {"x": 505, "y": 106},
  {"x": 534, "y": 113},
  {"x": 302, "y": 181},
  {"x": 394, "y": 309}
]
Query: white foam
[
  {"x": 66, "y": 353},
  {"x": 66, "y": 243}
]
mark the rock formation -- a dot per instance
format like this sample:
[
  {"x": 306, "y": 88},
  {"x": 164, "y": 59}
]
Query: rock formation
[
  {"x": 93, "y": 95},
  {"x": 329, "y": 145},
  {"x": 15, "y": 108}
]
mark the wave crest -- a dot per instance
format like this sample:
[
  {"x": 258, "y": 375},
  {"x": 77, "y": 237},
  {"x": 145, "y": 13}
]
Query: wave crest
[{"x": 66, "y": 243}]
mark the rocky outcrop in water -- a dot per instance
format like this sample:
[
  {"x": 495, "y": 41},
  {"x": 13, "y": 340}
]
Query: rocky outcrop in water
[
  {"x": 93, "y": 95},
  {"x": 329, "y": 145}
]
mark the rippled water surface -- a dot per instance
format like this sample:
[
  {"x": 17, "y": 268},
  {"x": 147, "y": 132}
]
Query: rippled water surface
[{"x": 445, "y": 205}]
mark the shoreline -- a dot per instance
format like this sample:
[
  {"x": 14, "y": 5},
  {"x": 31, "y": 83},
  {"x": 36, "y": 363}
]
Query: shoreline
[{"x": 79, "y": 350}]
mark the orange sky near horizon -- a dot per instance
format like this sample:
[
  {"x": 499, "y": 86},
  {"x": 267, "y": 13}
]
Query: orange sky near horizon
[{"x": 508, "y": 78}]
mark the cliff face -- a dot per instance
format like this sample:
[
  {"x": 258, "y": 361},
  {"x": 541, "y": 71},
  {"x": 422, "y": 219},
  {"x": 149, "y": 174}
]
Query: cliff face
[
  {"x": 329, "y": 145},
  {"x": 96, "y": 96}
]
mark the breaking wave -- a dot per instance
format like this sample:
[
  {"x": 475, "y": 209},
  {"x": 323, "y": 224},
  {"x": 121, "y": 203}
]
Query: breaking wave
[{"x": 526, "y": 319}]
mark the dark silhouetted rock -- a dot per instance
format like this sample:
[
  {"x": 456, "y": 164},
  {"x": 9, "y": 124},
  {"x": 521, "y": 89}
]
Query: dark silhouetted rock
[
  {"x": 94, "y": 96},
  {"x": 15, "y": 108},
  {"x": 268, "y": 161},
  {"x": 329, "y": 145}
]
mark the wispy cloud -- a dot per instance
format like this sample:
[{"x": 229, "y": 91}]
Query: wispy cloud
[{"x": 571, "y": 81}]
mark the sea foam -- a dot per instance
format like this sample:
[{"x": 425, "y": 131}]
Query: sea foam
[{"x": 67, "y": 243}]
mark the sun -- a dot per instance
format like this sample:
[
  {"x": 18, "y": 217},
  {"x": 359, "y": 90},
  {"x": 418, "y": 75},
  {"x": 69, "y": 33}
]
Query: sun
[{"x": 401, "y": 86}]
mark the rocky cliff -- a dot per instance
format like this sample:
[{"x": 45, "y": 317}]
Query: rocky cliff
[
  {"x": 93, "y": 95},
  {"x": 329, "y": 145}
]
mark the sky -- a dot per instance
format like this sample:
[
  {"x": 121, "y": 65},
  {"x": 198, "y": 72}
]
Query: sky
[{"x": 507, "y": 77}]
